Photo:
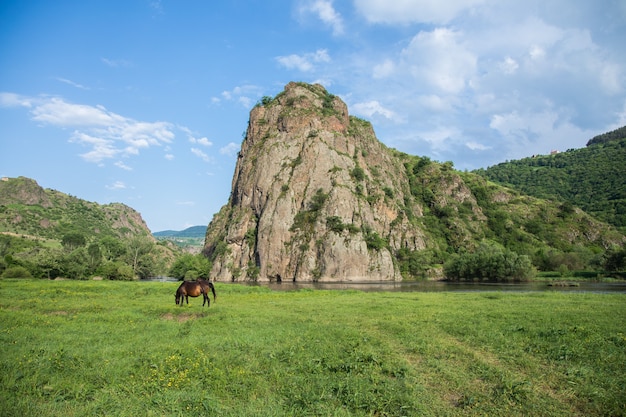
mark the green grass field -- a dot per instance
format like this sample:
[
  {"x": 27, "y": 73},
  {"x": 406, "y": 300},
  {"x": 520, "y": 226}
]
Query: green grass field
[{"x": 75, "y": 348}]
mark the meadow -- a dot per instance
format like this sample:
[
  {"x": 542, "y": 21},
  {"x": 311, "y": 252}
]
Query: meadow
[{"x": 75, "y": 348}]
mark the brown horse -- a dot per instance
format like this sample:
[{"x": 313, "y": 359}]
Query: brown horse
[{"x": 195, "y": 289}]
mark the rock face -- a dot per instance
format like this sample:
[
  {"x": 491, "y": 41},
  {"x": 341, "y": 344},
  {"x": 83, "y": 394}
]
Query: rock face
[{"x": 314, "y": 196}]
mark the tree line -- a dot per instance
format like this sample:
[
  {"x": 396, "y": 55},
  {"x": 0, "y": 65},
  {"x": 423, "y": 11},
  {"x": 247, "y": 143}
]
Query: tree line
[{"x": 108, "y": 257}]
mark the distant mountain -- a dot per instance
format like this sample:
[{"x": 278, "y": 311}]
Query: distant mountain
[
  {"x": 193, "y": 232},
  {"x": 592, "y": 178}
]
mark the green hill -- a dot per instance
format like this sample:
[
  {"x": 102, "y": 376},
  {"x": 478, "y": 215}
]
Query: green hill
[
  {"x": 28, "y": 209},
  {"x": 592, "y": 178},
  {"x": 46, "y": 233}
]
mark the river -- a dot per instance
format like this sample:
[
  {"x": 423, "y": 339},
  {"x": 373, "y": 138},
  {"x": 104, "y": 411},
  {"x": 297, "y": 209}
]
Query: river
[{"x": 436, "y": 286}]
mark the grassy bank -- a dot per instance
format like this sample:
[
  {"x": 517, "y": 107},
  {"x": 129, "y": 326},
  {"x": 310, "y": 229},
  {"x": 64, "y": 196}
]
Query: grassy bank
[{"x": 124, "y": 348}]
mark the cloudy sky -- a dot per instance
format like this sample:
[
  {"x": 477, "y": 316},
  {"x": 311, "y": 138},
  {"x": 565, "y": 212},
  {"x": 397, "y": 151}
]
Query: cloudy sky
[{"x": 145, "y": 102}]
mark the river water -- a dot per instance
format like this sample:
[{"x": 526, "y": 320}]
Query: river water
[
  {"x": 442, "y": 286},
  {"x": 436, "y": 286}
]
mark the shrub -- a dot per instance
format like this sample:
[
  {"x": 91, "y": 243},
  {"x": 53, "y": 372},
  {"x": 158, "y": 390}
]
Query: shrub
[
  {"x": 358, "y": 173},
  {"x": 16, "y": 272},
  {"x": 489, "y": 262}
]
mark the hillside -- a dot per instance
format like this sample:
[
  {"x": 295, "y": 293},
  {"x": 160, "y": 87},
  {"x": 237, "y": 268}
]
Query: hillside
[
  {"x": 46, "y": 233},
  {"x": 592, "y": 178},
  {"x": 317, "y": 197},
  {"x": 28, "y": 209}
]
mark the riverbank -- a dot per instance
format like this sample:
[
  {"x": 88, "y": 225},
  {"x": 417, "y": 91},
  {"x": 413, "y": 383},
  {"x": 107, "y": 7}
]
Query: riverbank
[{"x": 125, "y": 348}]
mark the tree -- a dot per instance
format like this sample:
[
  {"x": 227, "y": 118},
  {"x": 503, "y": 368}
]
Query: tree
[
  {"x": 190, "y": 266},
  {"x": 615, "y": 260},
  {"x": 117, "y": 270},
  {"x": 112, "y": 248},
  {"x": 490, "y": 262},
  {"x": 75, "y": 264},
  {"x": 95, "y": 256},
  {"x": 138, "y": 251},
  {"x": 73, "y": 240}
]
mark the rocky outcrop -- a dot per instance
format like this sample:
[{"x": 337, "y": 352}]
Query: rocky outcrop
[{"x": 314, "y": 197}]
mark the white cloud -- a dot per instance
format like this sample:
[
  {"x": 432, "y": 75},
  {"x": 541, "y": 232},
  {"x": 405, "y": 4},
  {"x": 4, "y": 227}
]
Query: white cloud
[
  {"x": 231, "y": 149},
  {"x": 304, "y": 63},
  {"x": 116, "y": 63},
  {"x": 475, "y": 146},
  {"x": 435, "y": 102},
  {"x": 441, "y": 59},
  {"x": 72, "y": 83},
  {"x": 325, "y": 11},
  {"x": 244, "y": 94},
  {"x": 100, "y": 148},
  {"x": 169, "y": 156},
  {"x": 440, "y": 137},
  {"x": 117, "y": 185},
  {"x": 122, "y": 165},
  {"x": 200, "y": 141},
  {"x": 509, "y": 65},
  {"x": 107, "y": 134},
  {"x": 538, "y": 132},
  {"x": 14, "y": 100},
  {"x": 371, "y": 108},
  {"x": 57, "y": 112},
  {"x": 200, "y": 154},
  {"x": 384, "y": 69},
  {"x": 413, "y": 11}
]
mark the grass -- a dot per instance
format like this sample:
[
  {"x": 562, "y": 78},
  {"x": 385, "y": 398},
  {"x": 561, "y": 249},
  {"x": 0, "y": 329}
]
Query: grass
[{"x": 125, "y": 349}]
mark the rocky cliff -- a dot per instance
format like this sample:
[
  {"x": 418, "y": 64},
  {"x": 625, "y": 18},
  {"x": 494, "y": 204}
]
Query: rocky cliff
[
  {"x": 303, "y": 205},
  {"x": 316, "y": 197}
]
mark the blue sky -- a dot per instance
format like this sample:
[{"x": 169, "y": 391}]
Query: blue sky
[{"x": 145, "y": 102}]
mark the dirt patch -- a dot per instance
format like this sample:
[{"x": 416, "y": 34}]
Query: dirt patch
[
  {"x": 181, "y": 318},
  {"x": 58, "y": 313}
]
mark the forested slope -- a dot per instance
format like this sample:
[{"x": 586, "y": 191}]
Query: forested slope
[
  {"x": 592, "y": 178},
  {"x": 46, "y": 233}
]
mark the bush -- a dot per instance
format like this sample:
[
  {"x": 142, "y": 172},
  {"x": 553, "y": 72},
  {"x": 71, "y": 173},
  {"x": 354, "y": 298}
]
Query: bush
[
  {"x": 16, "y": 272},
  {"x": 491, "y": 262},
  {"x": 118, "y": 271}
]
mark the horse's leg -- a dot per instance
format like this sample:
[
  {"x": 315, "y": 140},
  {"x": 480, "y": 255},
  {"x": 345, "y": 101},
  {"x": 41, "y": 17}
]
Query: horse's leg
[{"x": 206, "y": 300}]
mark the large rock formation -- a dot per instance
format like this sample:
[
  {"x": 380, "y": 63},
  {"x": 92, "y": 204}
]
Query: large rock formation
[
  {"x": 316, "y": 197},
  {"x": 314, "y": 194}
]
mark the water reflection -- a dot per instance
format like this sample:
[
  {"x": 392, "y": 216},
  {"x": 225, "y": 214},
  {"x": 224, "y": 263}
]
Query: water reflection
[
  {"x": 432, "y": 286},
  {"x": 441, "y": 286}
]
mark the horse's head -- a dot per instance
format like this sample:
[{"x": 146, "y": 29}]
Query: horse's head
[{"x": 177, "y": 297}]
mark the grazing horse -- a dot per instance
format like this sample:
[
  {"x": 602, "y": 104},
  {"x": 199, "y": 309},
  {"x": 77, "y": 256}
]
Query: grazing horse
[{"x": 195, "y": 289}]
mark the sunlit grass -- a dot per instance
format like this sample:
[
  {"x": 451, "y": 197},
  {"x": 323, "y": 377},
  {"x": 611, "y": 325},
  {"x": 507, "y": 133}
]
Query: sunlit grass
[{"x": 124, "y": 348}]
